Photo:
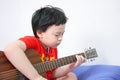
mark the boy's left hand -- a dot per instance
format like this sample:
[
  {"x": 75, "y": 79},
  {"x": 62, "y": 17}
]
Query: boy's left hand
[{"x": 80, "y": 60}]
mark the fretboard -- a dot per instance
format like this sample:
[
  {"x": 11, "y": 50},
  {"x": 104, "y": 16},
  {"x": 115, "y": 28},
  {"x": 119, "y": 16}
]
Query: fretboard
[{"x": 46, "y": 66}]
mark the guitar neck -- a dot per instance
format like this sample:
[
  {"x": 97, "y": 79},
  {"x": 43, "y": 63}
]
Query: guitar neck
[{"x": 45, "y": 66}]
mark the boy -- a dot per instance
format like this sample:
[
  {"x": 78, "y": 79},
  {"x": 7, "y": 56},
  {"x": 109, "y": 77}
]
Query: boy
[{"x": 48, "y": 24}]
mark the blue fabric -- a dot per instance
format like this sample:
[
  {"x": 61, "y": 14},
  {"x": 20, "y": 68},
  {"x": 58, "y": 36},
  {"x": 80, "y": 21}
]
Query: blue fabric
[{"x": 98, "y": 72}]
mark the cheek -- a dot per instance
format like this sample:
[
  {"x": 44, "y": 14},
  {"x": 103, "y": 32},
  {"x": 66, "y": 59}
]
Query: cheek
[
  {"x": 52, "y": 43},
  {"x": 51, "y": 39}
]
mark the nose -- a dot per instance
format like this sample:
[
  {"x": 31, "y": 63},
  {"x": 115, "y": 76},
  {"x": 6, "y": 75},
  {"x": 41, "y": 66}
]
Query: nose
[{"x": 60, "y": 38}]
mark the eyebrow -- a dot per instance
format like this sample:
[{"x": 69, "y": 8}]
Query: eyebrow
[{"x": 59, "y": 32}]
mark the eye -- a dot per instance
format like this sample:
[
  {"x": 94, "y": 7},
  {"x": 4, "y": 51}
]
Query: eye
[{"x": 56, "y": 35}]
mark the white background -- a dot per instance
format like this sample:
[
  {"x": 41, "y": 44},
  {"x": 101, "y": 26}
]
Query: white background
[{"x": 92, "y": 23}]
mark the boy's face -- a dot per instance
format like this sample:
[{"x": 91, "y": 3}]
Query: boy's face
[{"x": 52, "y": 37}]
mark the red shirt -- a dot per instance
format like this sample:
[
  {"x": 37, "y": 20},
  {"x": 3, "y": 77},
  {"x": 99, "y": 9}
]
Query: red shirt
[{"x": 34, "y": 43}]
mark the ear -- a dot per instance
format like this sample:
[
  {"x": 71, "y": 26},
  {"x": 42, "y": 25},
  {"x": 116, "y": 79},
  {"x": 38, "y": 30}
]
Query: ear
[{"x": 39, "y": 33}]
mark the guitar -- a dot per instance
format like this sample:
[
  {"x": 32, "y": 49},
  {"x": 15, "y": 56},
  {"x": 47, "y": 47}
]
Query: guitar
[{"x": 9, "y": 72}]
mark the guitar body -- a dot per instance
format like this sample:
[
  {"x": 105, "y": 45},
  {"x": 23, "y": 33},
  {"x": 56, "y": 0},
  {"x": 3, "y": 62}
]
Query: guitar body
[{"x": 9, "y": 72}]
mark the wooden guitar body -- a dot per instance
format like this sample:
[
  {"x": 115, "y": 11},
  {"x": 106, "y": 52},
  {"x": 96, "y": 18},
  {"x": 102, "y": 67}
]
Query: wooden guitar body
[{"x": 9, "y": 72}]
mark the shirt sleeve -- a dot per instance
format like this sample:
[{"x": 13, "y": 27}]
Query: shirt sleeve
[{"x": 30, "y": 41}]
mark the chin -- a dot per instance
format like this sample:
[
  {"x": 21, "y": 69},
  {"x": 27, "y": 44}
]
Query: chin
[{"x": 55, "y": 46}]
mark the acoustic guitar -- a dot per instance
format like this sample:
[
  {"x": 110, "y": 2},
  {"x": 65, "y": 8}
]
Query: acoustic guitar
[{"x": 9, "y": 72}]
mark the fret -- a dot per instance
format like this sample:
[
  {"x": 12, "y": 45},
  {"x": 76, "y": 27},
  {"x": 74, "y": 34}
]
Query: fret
[
  {"x": 46, "y": 66},
  {"x": 36, "y": 66},
  {"x": 62, "y": 61},
  {"x": 40, "y": 67},
  {"x": 65, "y": 62},
  {"x": 54, "y": 63},
  {"x": 54, "y": 66},
  {"x": 57, "y": 63},
  {"x": 51, "y": 65},
  {"x": 43, "y": 67},
  {"x": 67, "y": 59},
  {"x": 71, "y": 59}
]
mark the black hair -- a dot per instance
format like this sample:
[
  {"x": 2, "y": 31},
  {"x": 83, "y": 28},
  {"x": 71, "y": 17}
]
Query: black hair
[{"x": 47, "y": 16}]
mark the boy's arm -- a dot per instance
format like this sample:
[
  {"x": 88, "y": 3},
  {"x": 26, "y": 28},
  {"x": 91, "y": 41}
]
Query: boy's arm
[
  {"x": 62, "y": 71},
  {"x": 15, "y": 54}
]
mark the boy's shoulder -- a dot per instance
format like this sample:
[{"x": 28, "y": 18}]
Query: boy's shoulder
[{"x": 28, "y": 37}]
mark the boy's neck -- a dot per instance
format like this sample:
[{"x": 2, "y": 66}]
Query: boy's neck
[{"x": 44, "y": 45}]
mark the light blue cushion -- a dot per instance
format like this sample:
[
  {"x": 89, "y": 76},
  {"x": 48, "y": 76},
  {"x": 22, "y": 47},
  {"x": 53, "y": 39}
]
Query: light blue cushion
[{"x": 97, "y": 72}]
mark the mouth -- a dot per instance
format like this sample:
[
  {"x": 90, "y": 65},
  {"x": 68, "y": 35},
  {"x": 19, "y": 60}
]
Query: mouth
[{"x": 57, "y": 44}]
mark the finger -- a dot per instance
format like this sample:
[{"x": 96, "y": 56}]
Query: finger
[
  {"x": 83, "y": 59},
  {"x": 79, "y": 60}
]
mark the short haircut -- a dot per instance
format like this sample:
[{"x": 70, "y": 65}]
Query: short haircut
[{"x": 47, "y": 16}]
